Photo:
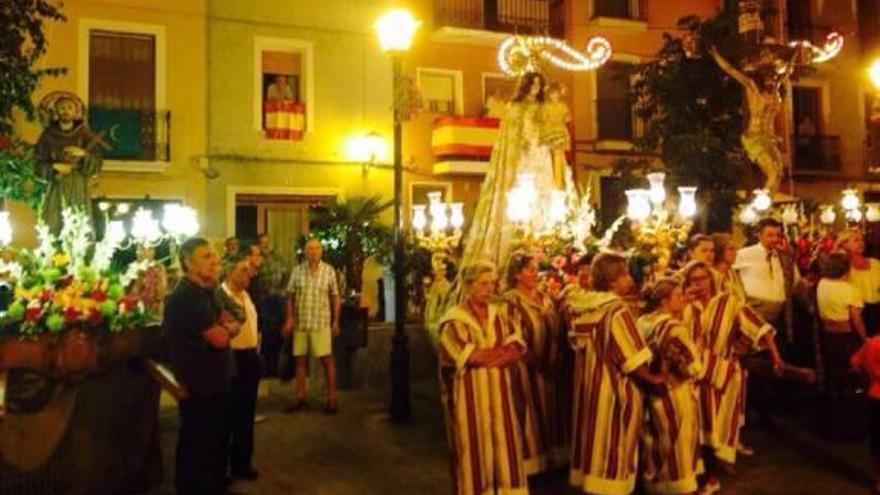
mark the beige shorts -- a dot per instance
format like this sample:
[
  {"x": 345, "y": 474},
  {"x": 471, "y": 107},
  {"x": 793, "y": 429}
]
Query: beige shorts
[{"x": 318, "y": 344}]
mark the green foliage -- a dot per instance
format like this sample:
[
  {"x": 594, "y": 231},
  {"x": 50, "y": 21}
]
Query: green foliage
[
  {"x": 695, "y": 114},
  {"x": 22, "y": 43},
  {"x": 18, "y": 180},
  {"x": 350, "y": 232}
]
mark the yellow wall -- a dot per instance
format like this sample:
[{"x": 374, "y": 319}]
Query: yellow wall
[
  {"x": 184, "y": 22},
  {"x": 352, "y": 96}
]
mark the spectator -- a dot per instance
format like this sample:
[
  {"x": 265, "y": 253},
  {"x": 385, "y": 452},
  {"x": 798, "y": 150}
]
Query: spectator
[
  {"x": 271, "y": 277},
  {"x": 236, "y": 276},
  {"x": 840, "y": 309},
  {"x": 230, "y": 246},
  {"x": 864, "y": 274},
  {"x": 199, "y": 333},
  {"x": 313, "y": 318}
]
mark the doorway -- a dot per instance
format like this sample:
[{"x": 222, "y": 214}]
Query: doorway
[{"x": 285, "y": 217}]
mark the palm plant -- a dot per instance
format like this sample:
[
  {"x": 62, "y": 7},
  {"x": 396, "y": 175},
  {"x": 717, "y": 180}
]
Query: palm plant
[{"x": 350, "y": 232}]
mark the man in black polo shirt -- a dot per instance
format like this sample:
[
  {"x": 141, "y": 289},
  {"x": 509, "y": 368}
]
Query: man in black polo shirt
[{"x": 199, "y": 334}]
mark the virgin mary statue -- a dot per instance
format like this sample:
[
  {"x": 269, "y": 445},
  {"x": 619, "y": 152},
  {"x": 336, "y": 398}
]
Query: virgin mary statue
[{"x": 518, "y": 150}]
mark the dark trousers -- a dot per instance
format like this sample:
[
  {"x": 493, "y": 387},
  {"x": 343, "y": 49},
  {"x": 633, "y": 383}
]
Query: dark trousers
[
  {"x": 242, "y": 410},
  {"x": 272, "y": 308},
  {"x": 202, "y": 446}
]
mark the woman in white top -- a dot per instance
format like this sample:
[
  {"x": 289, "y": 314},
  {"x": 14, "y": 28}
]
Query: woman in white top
[
  {"x": 840, "y": 309},
  {"x": 864, "y": 274}
]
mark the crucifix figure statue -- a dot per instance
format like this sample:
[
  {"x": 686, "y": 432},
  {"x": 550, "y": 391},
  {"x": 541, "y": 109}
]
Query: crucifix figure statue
[{"x": 763, "y": 101}]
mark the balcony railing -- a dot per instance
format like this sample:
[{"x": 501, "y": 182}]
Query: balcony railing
[
  {"x": 506, "y": 16},
  {"x": 132, "y": 135},
  {"x": 635, "y": 10},
  {"x": 616, "y": 120},
  {"x": 816, "y": 154}
]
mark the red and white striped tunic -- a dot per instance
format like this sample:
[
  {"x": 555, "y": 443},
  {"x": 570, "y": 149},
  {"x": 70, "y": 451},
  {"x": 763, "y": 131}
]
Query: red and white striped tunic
[
  {"x": 484, "y": 426},
  {"x": 731, "y": 329},
  {"x": 608, "y": 408},
  {"x": 536, "y": 378}
]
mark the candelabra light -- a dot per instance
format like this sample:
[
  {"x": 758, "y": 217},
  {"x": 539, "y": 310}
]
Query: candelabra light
[
  {"x": 443, "y": 229},
  {"x": 762, "y": 200},
  {"x": 658, "y": 227}
]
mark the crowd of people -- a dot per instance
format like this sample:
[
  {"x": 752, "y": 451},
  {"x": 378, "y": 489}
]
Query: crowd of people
[
  {"x": 647, "y": 386},
  {"x": 219, "y": 318}
]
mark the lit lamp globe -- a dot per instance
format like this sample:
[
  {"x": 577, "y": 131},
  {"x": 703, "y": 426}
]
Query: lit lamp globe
[
  {"x": 790, "y": 215},
  {"x": 419, "y": 220},
  {"x": 854, "y": 215},
  {"x": 850, "y": 200},
  {"x": 145, "y": 228},
  {"x": 827, "y": 216},
  {"x": 517, "y": 208},
  {"x": 656, "y": 191},
  {"x": 396, "y": 29},
  {"x": 872, "y": 212},
  {"x": 874, "y": 74},
  {"x": 638, "y": 207},
  {"x": 748, "y": 216},
  {"x": 557, "y": 211},
  {"x": 456, "y": 217},
  {"x": 5, "y": 229},
  {"x": 687, "y": 201},
  {"x": 762, "y": 200},
  {"x": 180, "y": 221}
]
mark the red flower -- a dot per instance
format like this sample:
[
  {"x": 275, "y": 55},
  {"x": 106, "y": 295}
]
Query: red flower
[
  {"x": 96, "y": 318},
  {"x": 33, "y": 313},
  {"x": 5, "y": 142},
  {"x": 127, "y": 303},
  {"x": 71, "y": 315},
  {"x": 46, "y": 296},
  {"x": 98, "y": 296}
]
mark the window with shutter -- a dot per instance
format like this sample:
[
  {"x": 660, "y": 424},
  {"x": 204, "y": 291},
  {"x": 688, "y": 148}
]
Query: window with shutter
[{"x": 122, "y": 95}]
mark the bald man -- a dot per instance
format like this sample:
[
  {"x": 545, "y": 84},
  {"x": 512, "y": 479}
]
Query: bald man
[{"x": 313, "y": 309}]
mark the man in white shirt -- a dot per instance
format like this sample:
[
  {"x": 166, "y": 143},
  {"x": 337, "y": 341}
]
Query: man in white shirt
[
  {"x": 237, "y": 273},
  {"x": 768, "y": 274}
]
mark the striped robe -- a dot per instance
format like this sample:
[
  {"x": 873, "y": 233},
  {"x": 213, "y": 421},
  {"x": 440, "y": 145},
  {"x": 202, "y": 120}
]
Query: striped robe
[
  {"x": 607, "y": 414},
  {"x": 536, "y": 378},
  {"x": 731, "y": 329},
  {"x": 484, "y": 427},
  {"x": 671, "y": 439}
]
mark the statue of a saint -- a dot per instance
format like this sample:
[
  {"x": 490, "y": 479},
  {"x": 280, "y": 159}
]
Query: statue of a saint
[
  {"x": 518, "y": 149},
  {"x": 67, "y": 157},
  {"x": 764, "y": 102}
]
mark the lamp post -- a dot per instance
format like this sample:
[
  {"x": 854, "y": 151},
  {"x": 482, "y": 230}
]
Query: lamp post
[{"x": 395, "y": 30}]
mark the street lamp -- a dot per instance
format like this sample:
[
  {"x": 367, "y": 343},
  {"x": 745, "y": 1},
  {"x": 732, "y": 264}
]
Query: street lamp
[{"x": 395, "y": 30}]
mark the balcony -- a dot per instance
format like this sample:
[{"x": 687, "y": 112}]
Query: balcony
[
  {"x": 816, "y": 155},
  {"x": 487, "y": 21},
  {"x": 132, "y": 135}
]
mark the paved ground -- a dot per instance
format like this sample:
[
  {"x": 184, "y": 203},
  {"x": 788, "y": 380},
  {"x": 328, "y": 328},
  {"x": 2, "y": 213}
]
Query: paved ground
[{"x": 361, "y": 452}]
